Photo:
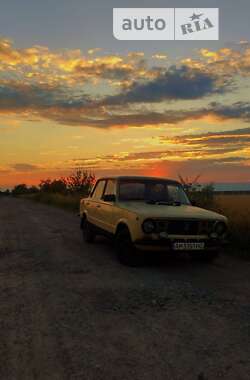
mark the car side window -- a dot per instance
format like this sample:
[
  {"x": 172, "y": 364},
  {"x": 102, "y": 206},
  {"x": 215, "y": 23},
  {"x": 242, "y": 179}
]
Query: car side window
[
  {"x": 98, "y": 192},
  {"x": 132, "y": 190},
  {"x": 110, "y": 187}
]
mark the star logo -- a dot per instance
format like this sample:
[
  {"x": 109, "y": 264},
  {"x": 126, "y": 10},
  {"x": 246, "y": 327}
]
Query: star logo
[{"x": 195, "y": 17}]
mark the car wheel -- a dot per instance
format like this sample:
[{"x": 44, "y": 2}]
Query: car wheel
[
  {"x": 125, "y": 250},
  {"x": 87, "y": 231}
]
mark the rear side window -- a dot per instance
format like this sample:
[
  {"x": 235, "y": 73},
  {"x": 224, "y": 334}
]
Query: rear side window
[
  {"x": 110, "y": 188},
  {"x": 99, "y": 190}
]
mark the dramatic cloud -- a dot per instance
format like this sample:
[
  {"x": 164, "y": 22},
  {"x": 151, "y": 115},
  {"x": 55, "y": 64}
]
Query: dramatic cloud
[
  {"x": 22, "y": 167},
  {"x": 34, "y": 97},
  {"x": 40, "y": 65},
  {"x": 175, "y": 83},
  {"x": 143, "y": 159},
  {"x": 102, "y": 118},
  {"x": 62, "y": 105},
  {"x": 225, "y": 61},
  {"x": 238, "y": 137},
  {"x": 169, "y": 164},
  {"x": 216, "y": 155},
  {"x": 107, "y": 91},
  {"x": 56, "y": 104}
]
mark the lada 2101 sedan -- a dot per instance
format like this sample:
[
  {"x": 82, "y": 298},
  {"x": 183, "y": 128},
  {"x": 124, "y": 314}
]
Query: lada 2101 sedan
[{"x": 148, "y": 213}]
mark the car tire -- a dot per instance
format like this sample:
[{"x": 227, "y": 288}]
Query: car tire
[
  {"x": 88, "y": 231},
  {"x": 125, "y": 249}
]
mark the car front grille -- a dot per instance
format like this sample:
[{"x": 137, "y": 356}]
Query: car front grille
[{"x": 184, "y": 227}]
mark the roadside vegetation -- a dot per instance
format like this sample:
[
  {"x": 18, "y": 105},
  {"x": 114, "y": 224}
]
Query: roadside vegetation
[
  {"x": 236, "y": 207},
  {"x": 66, "y": 193}
]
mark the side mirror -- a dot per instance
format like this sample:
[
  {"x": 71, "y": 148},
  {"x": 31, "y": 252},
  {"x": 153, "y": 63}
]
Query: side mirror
[{"x": 109, "y": 198}]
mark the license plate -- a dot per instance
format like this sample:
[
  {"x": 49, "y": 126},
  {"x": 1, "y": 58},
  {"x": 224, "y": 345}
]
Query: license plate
[{"x": 188, "y": 246}]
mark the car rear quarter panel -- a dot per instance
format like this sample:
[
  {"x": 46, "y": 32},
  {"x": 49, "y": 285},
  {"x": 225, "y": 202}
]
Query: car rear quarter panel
[{"x": 84, "y": 206}]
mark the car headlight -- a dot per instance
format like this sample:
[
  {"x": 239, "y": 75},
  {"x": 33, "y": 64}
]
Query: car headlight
[
  {"x": 220, "y": 228},
  {"x": 148, "y": 226}
]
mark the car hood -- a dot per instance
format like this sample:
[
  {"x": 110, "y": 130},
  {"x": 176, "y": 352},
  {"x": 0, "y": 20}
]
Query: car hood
[{"x": 164, "y": 211}]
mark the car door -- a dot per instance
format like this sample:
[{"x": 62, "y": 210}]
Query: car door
[
  {"x": 107, "y": 206},
  {"x": 95, "y": 203}
]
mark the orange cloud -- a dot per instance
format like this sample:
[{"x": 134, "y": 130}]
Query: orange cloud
[
  {"x": 160, "y": 56},
  {"x": 225, "y": 61},
  {"x": 40, "y": 65}
]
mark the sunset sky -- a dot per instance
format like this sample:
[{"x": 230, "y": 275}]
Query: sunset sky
[{"x": 71, "y": 95}]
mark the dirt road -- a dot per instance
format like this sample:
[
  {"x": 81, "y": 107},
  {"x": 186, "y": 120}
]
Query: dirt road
[{"x": 71, "y": 311}]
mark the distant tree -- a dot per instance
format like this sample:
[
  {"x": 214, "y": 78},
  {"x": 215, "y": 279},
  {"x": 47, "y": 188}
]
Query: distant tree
[
  {"x": 44, "y": 185},
  {"x": 33, "y": 190},
  {"x": 53, "y": 186},
  {"x": 202, "y": 195},
  {"x": 20, "y": 189},
  {"x": 190, "y": 185},
  {"x": 80, "y": 182},
  {"x": 207, "y": 193}
]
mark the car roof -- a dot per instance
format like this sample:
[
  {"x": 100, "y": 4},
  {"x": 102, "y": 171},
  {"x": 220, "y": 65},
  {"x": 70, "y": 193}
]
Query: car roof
[{"x": 134, "y": 177}]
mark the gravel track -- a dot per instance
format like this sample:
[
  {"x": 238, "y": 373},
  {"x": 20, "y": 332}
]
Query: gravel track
[{"x": 71, "y": 311}]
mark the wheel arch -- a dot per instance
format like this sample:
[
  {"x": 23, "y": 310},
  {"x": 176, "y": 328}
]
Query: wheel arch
[{"x": 120, "y": 226}]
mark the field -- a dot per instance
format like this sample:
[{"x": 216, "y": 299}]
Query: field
[{"x": 237, "y": 209}]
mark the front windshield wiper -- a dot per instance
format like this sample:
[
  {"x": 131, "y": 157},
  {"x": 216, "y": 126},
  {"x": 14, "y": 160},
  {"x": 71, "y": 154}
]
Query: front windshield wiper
[
  {"x": 151, "y": 202},
  {"x": 169, "y": 203},
  {"x": 154, "y": 202}
]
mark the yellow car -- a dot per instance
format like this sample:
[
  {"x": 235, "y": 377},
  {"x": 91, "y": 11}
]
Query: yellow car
[{"x": 153, "y": 214}]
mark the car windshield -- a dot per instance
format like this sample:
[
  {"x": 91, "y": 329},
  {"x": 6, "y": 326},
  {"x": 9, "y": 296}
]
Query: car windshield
[{"x": 152, "y": 191}]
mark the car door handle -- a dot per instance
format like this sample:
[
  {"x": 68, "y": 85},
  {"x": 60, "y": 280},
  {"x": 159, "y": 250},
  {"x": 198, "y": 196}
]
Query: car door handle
[{"x": 98, "y": 206}]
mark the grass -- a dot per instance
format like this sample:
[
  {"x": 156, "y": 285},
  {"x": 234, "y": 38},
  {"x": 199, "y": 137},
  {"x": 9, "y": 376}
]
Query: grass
[
  {"x": 68, "y": 202},
  {"x": 235, "y": 207}
]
